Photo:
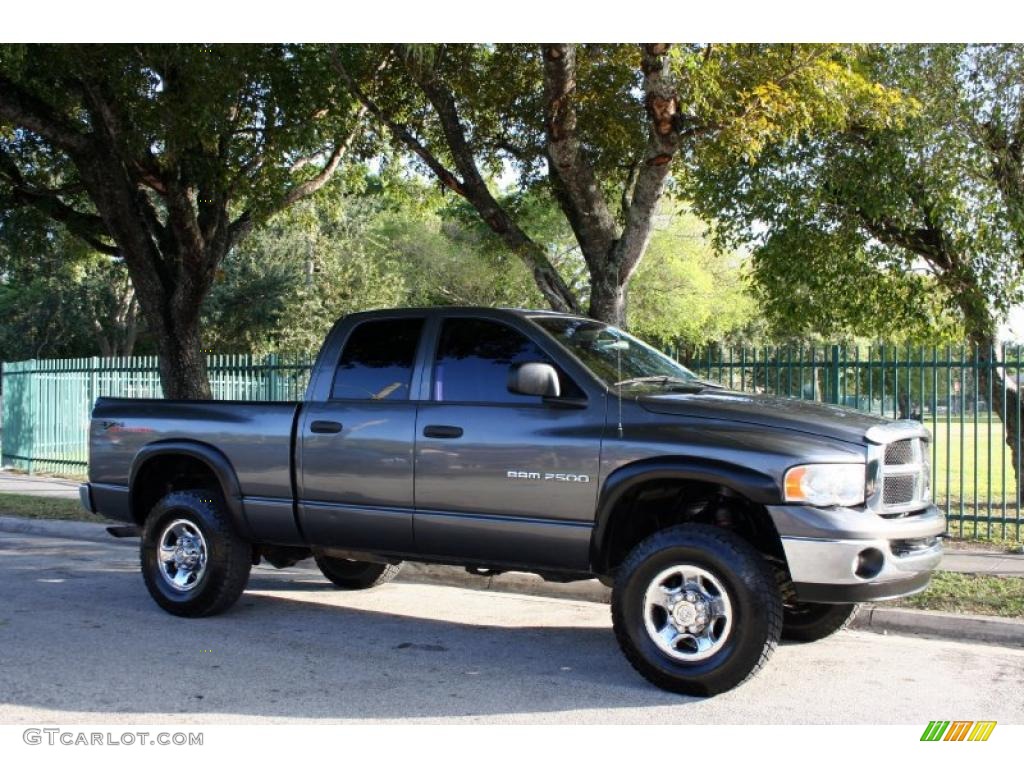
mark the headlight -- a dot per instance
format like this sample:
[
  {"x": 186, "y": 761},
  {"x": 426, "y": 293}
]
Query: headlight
[{"x": 826, "y": 485}]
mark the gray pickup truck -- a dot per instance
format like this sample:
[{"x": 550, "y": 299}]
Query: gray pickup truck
[{"x": 515, "y": 440}]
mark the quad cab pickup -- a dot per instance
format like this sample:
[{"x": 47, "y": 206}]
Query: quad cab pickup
[{"x": 531, "y": 441}]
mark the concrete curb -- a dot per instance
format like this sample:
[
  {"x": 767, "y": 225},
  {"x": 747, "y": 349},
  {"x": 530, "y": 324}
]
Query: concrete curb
[
  {"x": 872, "y": 618},
  {"x": 60, "y": 529},
  {"x": 950, "y": 626}
]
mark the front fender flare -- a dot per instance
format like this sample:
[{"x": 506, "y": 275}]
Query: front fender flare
[
  {"x": 213, "y": 458},
  {"x": 752, "y": 485}
]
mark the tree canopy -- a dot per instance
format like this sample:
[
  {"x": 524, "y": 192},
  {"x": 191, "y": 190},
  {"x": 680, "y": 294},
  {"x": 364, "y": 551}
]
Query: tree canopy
[
  {"x": 877, "y": 189},
  {"x": 605, "y": 129},
  {"x": 919, "y": 220},
  {"x": 166, "y": 156},
  {"x": 916, "y": 225}
]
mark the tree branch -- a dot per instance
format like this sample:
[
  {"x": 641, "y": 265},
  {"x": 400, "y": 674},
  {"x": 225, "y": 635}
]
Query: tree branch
[
  {"x": 573, "y": 179},
  {"x": 399, "y": 131},
  {"x": 310, "y": 186},
  {"x": 241, "y": 226},
  {"x": 628, "y": 188},
  {"x": 663, "y": 139},
  {"x": 475, "y": 190},
  {"x": 471, "y": 186},
  {"x": 24, "y": 110},
  {"x": 1005, "y": 147},
  {"x": 87, "y": 226}
]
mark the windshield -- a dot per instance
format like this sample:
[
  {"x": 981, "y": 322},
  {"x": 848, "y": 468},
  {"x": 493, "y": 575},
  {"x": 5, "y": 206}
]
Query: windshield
[{"x": 614, "y": 356}]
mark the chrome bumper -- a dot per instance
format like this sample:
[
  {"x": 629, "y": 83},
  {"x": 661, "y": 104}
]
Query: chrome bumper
[{"x": 854, "y": 555}]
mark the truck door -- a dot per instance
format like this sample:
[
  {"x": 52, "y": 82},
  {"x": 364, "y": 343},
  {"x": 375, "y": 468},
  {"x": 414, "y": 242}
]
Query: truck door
[
  {"x": 355, "y": 463},
  {"x": 503, "y": 477}
]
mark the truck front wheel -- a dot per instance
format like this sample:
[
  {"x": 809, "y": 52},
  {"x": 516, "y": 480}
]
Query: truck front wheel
[
  {"x": 807, "y": 622},
  {"x": 355, "y": 574},
  {"x": 696, "y": 609},
  {"x": 193, "y": 563}
]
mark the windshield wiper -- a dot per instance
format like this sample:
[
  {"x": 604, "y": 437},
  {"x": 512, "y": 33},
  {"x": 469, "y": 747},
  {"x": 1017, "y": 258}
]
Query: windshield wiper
[
  {"x": 668, "y": 382},
  {"x": 708, "y": 384}
]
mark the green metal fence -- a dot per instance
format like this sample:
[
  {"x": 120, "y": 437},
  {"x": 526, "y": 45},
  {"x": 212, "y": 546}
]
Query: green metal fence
[
  {"x": 46, "y": 403},
  {"x": 965, "y": 396}
]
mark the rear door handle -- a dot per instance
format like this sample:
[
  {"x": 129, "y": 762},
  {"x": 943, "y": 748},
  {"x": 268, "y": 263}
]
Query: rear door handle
[
  {"x": 442, "y": 431},
  {"x": 325, "y": 427}
]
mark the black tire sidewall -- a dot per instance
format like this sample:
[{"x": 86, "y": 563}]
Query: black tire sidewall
[
  {"x": 350, "y": 574},
  {"x": 739, "y": 568},
  {"x": 202, "y": 510},
  {"x": 809, "y": 622}
]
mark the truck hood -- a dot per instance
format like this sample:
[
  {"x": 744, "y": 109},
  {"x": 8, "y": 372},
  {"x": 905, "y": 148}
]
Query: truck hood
[{"x": 771, "y": 411}]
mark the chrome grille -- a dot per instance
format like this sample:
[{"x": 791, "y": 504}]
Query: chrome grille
[
  {"x": 900, "y": 452},
  {"x": 899, "y": 489},
  {"x": 905, "y": 476}
]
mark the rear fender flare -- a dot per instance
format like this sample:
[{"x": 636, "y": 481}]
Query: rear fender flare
[{"x": 214, "y": 459}]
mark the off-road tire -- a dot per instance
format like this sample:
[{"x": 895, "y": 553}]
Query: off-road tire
[
  {"x": 748, "y": 580},
  {"x": 356, "y": 574},
  {"x": 228, "y": 557},
  {"x": 807, "y": 622}
]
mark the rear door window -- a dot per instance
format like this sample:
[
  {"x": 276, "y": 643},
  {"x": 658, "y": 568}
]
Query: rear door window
[{"x": 378, "y": 360}]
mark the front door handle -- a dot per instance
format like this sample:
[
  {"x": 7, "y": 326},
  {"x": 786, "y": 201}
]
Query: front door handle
[
  {"x": 325, "y": 427},
  {"x": 442, "y": 431}
]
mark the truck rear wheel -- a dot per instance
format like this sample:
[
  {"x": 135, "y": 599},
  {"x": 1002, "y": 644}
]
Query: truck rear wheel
[
  {"x": 807, "y": 622},
  {"x": 696, "y": 609},
  {"x": 356, "y": 574},
  {"x": 193, "y": 563}
]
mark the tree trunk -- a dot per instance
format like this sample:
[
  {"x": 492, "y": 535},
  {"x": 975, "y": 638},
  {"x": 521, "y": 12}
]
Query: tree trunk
[
  {"x": 612, "y": 253},
  {"x": 131, "y": 329},
  {"x": 607, "y": 294},
  {"x": 171, "y": 304},
  {"x": 182, "y": 360},
  {"x": 993, "y": 377}
]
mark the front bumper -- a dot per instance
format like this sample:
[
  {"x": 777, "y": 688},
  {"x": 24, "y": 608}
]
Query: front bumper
[{"x": 850, "y": 555}]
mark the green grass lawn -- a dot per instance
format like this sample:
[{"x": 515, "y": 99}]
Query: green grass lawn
[
  {"x": 973, "y": 462},
  {"x": 44, "y": 508},
  {"x": 971, "y": 593}
]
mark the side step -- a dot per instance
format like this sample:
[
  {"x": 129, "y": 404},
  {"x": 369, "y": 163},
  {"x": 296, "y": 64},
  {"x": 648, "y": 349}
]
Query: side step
[{"x": 124, "y": 531}]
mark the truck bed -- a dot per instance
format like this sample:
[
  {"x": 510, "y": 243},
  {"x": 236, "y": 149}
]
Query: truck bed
[{"x": 256, "y": 437}]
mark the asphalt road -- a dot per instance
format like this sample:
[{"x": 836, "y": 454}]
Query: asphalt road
[{"x": 80, "y": 640}]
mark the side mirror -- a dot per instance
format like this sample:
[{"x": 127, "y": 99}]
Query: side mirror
[{"x": 538, "y": 379}]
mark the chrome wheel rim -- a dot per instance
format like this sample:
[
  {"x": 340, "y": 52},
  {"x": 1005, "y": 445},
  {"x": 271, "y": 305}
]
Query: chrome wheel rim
[
  {"x": 687, "y": 613},
  {"x": 182, "y": 554}
]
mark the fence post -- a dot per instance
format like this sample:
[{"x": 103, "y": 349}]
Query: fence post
[
  {"x": 270, "y": 361},
  {"x": 4, "y": 390},
  {"x": 94, "y": 364},
  {"x": 34, "y": 383},
  {"x": 835, "y": 375}
]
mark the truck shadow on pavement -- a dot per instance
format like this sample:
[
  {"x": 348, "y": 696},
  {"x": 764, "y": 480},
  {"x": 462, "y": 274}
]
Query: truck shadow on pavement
[
  {"x": 81, "y": 641},
  {"x": 75, "y": 637}
]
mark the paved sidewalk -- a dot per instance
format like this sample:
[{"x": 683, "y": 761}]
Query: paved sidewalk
[
  {"x": 33, "y": 485},
  {"x": 984, "y": 562},
  {"x": 961, "y": 561}
]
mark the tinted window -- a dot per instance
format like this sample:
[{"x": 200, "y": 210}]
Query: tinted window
[
  {"x": 378, "y": 360},
  {"x": 473, "y": 360}
]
